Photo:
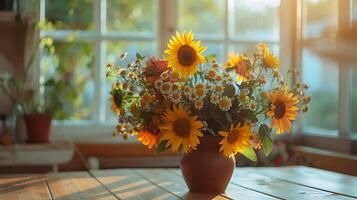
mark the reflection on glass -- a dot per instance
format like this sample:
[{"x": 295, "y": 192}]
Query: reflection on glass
[
  {"x": 322, "y": 77},
  {"x": 70, "y": 14},
  {"x": 72, "y": 68},
  {"x": 320, "y": 18},
  {"x": 114, "y": 50},
  {"x": 132, "y": 16},
  {"x": 202, "y": 17},
  {"x": 256, "y": 19}
]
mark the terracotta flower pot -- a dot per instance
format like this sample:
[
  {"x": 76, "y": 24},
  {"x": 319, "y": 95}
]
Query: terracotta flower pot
[
  {"x": 206, "y": 170},
  {"x": 38, "y": 128}
]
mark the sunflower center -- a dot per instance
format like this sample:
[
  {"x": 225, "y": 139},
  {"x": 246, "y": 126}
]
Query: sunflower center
[
  {"x": 117, "y": 99},
  {"x": 182, "y": 127},
  {"x": 233, "y": 136},
  {"x": 279, "y": 110},
  {"x": 186, "y": 55}
]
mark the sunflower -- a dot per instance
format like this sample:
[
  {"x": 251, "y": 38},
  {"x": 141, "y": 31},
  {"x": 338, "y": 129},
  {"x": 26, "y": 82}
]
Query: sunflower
[
  {"x": 179, "y": 128},
  {"x": 147, "y": 138},
  {"x": 283, "y": 110},
  {"x": 116, "y": 99},
  {"x": 236, "y": 62},
  {"x": 270, "y": 60},
  {"x": 236, "y": 140},
  {"x": 184, "y": 54}
]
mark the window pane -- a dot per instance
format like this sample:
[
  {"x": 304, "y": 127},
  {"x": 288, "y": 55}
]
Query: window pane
[
  {"x": 322, "y": 77},
  {"x": 320, "y": 18},
  {"x": 354, "y": 100},
  {"x": 203, "y": 17},
  {"x": 215, "y": 48},
  {"x": 256, "y": 19},
  {"x": 132, "y": 16},
  {"x": 354, "y": 11},
  {"x": 71, "y": 66},
  {"x": 114, "y": 50},
  {"x": 249, "y": 49},
  {"x": 70, "y": 14}
]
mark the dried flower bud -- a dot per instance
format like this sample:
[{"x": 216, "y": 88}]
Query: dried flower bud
[
  {"x": 254, "y": 140},
  {"x": 125, "y": 136},
  {"x": 123, "y": 55},
  {"x": 109, "y": 65},
  {"x": 264, "y": 95},
  {"x": 305, "y": 109},
  {"x": 215, "y": 65},
  {"x": 243, "y": 97},
  {"x": 306, "y": 86}
]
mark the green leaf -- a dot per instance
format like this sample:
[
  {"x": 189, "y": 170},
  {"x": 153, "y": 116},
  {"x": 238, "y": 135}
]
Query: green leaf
[
  {"x": 210, "y": 57},
  {"x": 50, "y": 82},
  {"x": 265, "y": 138},
  {"x": 139, "y": 57},
  {"x": 250, "y": 154},
  {"x": 161, "y": 147}
]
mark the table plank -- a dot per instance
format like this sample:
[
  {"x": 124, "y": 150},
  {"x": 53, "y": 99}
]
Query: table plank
[
  {"x": 234, "y": 191},
  {"x": 126, "y": 184},
  {"x": 24, "y": 187},
  {"x": 277, "y": 187},
  {"x": 76, "y": 185},
  {"x": 316, "y": 178},
  {"x": 170, "y": 181}
]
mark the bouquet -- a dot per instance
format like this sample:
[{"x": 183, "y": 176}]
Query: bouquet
[{"x": 172, "y": 102}]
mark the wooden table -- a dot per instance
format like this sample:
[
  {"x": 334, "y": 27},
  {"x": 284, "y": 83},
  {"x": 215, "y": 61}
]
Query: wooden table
[{"x": 247, "y": 183}]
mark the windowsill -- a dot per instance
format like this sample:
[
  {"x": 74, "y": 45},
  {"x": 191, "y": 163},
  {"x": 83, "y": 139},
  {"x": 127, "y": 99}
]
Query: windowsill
[{"x": 346, "y": 145}]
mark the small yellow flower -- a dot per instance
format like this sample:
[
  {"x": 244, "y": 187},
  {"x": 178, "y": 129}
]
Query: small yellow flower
[
  {"x": 187, "y": 90},
  {"x": 218, "y": 88},
  {"x": 214, "y": 98},
  {"x": 176, "y": 97},
  {"x": 165, "y": 75},
  {"x": 211, "y": 74},
  {"x": 243, "y": 97},
  {"x": 125, "y": 86},
  {"x": 199, "y": 104},
  {"x": 175, "y": 86},
  {"x": 166, "y": 88},
  {"x": 225, "y": 103},
  {"x": 199, "y": 86},
  {"x": 200, "y": 93},
  {"x": 132, "y": 88},
  {"x": 131, "y": 75},
  {"x": 264, "y": 95},
  {"x": 122, "y": 72}
]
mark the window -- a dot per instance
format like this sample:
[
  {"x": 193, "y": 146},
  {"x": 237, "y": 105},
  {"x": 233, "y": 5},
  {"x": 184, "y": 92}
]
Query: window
[
  {"x": 332, "y": 106},
  {"x": 354, "y": 74},
  {"x": 87, "y": 34},
  {"x": 90, "y": 33},
  {"x": 232, "y": 25}
]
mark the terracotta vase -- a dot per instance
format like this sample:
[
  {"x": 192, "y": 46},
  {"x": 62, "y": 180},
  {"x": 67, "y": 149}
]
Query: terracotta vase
[
  {"x": 206, "y": 170},
  {"x": 38, "y": 128}
]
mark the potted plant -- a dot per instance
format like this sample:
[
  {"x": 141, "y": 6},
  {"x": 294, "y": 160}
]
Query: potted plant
[
  {"x": 36, "y": 110},
  {"x": 210, "y": 111}
]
